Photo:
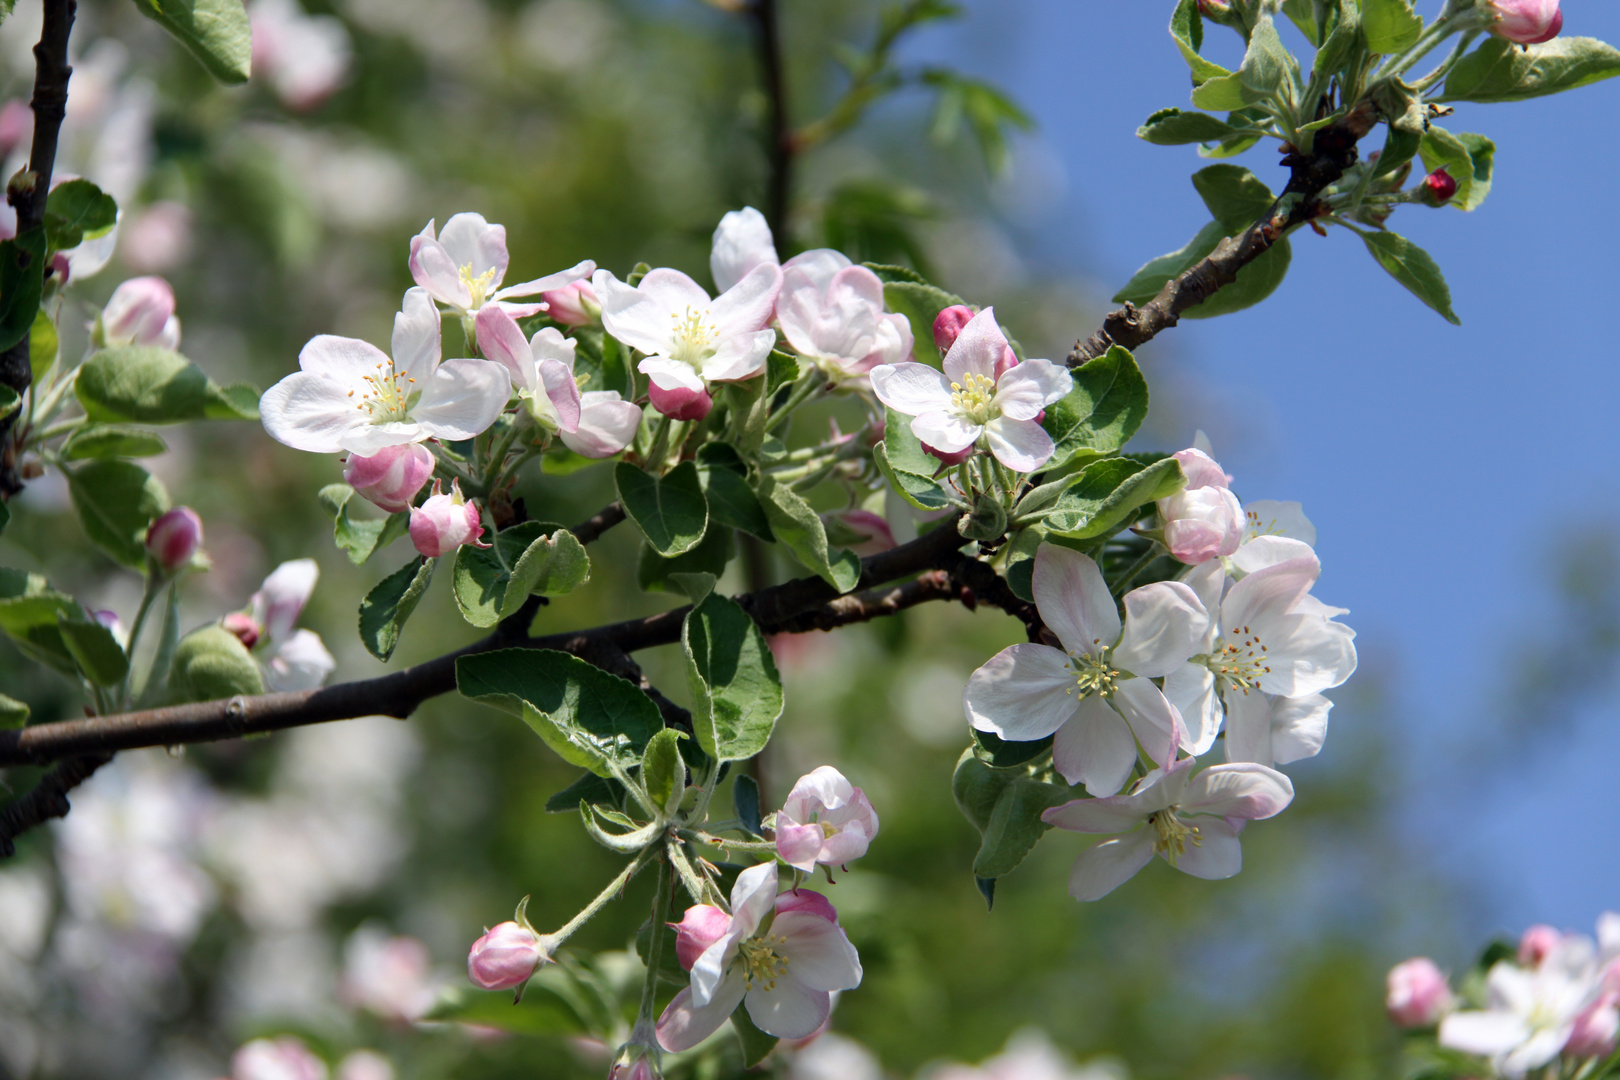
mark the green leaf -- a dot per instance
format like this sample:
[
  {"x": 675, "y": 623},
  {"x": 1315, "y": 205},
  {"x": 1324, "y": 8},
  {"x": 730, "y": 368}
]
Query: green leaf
[
  {"x": 112, "y": 440},
  {"x": 736, "y": 691},
  {"x": 590, "y": 789},
  {"x": 780, "y": 369},
  {"x": 1467, "y": 158},
  {"x": 1223, "y": 94},
  {"x": 210, "y": 664},
  {"x": 10, "y": 401},
  {"x": 1187, "y": 28},
  {"x": 587, "y": 716},
  {"x": 479, "y": 584},
  {"x": 1499, "y": 70},
  {"x": 799, "y": 528},
  {"x": 1109, "y": 492},
  {"x": 732, "y": 502},
  {"x": 999, "y": 753},
  {"x": 76, "y": 211},
  {"x": 1335, "y": 53},
  {"x": 30, "y": 614},
  {"x": 1269, "y": 71},
  {"x": 94, "y": 649},
  {"x": 1391, "y": 26},
  {"x": 1235, "y": 196},
  {"x": 920, "y": 304},
  {"x": 43, "y": 344},
  {"x": 1172, "y": 127},
  {"x": 1303, "y": 15},
  {"x": 662, "y": 771},
  {"x": 670, "y": 511},
  {"x": 756, "y": 1045},
  {"x": 554, "y": 1003},
  {"x": 360, "y": 538},
  {"x": 215, "y": 31},
  {"x": 1150, "y": 278},
  {"x": 386, "y": 607},
  {"x": 491, "y": 583},
  {"x": 654, "y": 573},
  {"x": 22, "y": 283},
  {"x": 117, "y": 501},
  {"x": 1256, "y": 281},
  {"x": 1005, "y": 805},
  {"x": 151, "y": 385},
  {"x": 887, "y": 273},
  {"x": 13, "y": 713},
  {"x": 1102, "y": 410},
  {"x": 745, "y": 801},
  {"x": 1413, "y": 267}
]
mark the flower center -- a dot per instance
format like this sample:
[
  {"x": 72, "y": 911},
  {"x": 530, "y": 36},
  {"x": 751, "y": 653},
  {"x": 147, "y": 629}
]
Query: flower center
[
  {"x": 1171, "y": 835},
  {"x": 1240, "y": 659},
  {"x": 387, "y": 394},
  {"x": 1260, "y": 528},
  {"x": 694, "y": 337},
  {"x": 479, "y": 286},
  {"x": 1094, "y": 674},
  {"x": 761, "y": 962},
  {"x": 972, "y": 398}
]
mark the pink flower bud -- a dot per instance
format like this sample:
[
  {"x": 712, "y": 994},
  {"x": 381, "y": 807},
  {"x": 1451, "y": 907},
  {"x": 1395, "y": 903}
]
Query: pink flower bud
[
  {"x": 1597, "y": 1030},
  {"x": 634, "y": 1064},
  {"x": 949, "y": 323},
  {"x": 873, "y": 529},
  {"x": 174, "y": 538},
  {"x": 392, "y": 476},
  {"x": 1008, "y": 361},
  {"x": 140, "y": 312},
  {"x": 955, "y": 458},
  {"x": 1418, "y": 995},
  {"x": 573, "y": 305},
  {"x": 283, "y": 1058},
  {"x": 702, "y": 926},
  {"x": 110, "y": 620},
  {"x": 1528, "y": 22},
  {"x": 680, "y": 403},
  {"x": 61, "y": 269},
  {"x": 1439, "y": 187},
  {"x": 242, "y": 625},
  {"x": 1536, "y": 943},
  {"x": 505, "y": 957},
  {"x": 445, "y": 522}
]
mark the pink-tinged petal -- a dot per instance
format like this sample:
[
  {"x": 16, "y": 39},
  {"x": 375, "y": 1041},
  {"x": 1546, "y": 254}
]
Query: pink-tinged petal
[
  {"x": 671, "y": 374},
  {"x": 345, "y": 360},
  {"x": 1165, "y": 623},
  {"x": 753, "y": 897},
  {"x": 808, "y": 901},
  {"x": 817, "y": 950},
  {"x": 517, "y": 311},
  {"x": 433, "y": 269},
  {"x": 684, "y": 1024},
  {"x": 1193, "y": 541},
  {"x": 606, "y": 425},
  {"x": 302, "y": 662},
  {"x": 1024, "y": 692},
  {"x": 699, "y": 928},
  {"x": 416, "y": 336},
  {"x": 501, "y": 340},
  {"x": 1073, "y": 600},
  {"x": 1244, "y": 790},
  {"x": 1298, "y": 727},
  {"x": 1248, "y": 726},
  {"x": 1270, "y": 592},
  {"x": 976, "y": 349},
  {"x": 1264, "y": 551},
  {"x": 893, "y": 344},
  {"x": 799, "y": 845},
  {"x": 1191, "y": 690},
  {"x": 818, "y": 267},
  {"x": 822, "y": 788},
  {"x": 283, "y": 595},
  {"x": 1207, "y": 582},
  {"x": 1484, "y": 1033},
  {"x": 1118, "y": 814},
  {"x": 673, "y": 291},
  {"x": 680, "y": 404},
  {"x": 563, "y": 393},
  {"x": 634, "y": 316},
  {"x": 473, "y": 242},
  {"x": 462, "y": 399},
  {"x": 1109, "y": 865},
  {"x": 1030, "y": 387},
  {"x": 1201, "y": 470},
  {"x": 1306, "y": 654},
  {"x": 789, "y": 1010},
  {"x": 561, "y": 279},
  {"x": 741, "y": 356},
  {"x": 747, "y": 305},
  {"x": 833, "y": 319},
  {"x": 1153, "y": 720},
  {"x": 1021, "y": 445},
  {"x": 1217, "y": 856},
  {"x": 945, "y": 432},
  {"x": 911, "y": 388},
  {"x": 742, "y": 241},
  {"x": 309, "y": 412},
  {"x": 849, "y": 843},
  {"x": 1095, "y": 748}
]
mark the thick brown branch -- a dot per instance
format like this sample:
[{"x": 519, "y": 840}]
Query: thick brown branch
[
  {"x": 609, "y": 516},
  {"x": 1333, "y": 153},
  {"x": 47, "y": 800}
]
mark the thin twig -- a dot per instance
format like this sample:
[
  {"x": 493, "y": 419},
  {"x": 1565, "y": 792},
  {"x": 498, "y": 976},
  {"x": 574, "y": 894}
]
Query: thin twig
[{"x": 47, "y": 800}]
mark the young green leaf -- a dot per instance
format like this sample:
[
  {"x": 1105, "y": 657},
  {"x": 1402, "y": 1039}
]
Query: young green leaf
[
  {"x": 1466, "y": 157},
  {"x": 1187, "y": 28},
  {"x": 1173, "y": 127},
  {"x": 921, "y": 305},
  {"x": 732, "y": 502},
  {"x": 30, "y": 614},
  {"x": 662, "y": 771},
  {"x": 736, "y": 691},
  {"x": 13, "y": 713},
  {"x": 386, "y": 607},
  {"x": 215, "y": 31},
  {"x": 1235, "y": 196},
  {"x": 1391, "y": 26},
  {"x": 1104, "y": 407},
  {"x": 151, "y": 385},
  {"x": 756, "y": 1045},
  {"x": 1223, "y": 94},
  {"x": 1499, "y": 70},
  {"x": 590, "y": 789},
  {"x": 22, "y": 283},
  {"x": 116, "y": 502},
  {"x": 76, "y": 211},
  {"x": 745, "y": 801},
  {"x": 110, "y": 441},
  {"x": 654, "y": 573},
  {"x": 210, "y": 664},
  {"x": 670, "y": 511},
  {"x": 1269, "y": 71},
  {"x": 1413, "y": 267},
  {"x": 799, "y": 528},
  {"x": 1109, "y": 492},
  {"x": 43, "y": 344},
  {"x": 359, "y": 538},
  {"x": 99, "y": 656}
]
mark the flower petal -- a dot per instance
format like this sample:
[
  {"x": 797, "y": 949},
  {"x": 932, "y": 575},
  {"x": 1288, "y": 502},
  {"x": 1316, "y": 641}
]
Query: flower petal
[
  {"x": 799, "y": 845},
  {"x": 742, "y": 241},
  {"x": 346, "y": 360},
  {"x": 1153, "y": 719},
  {"x": 301, "y": 663},
  {"x": 635, "y": 316},
  {"x": 416, "y": 336},
  {"x": 747, "y": 305},
  {"x": 671, "y": 374},
  {"x": 1074, "y": 600},
  {"x": 1271, "y": 592},
  {"x": 945, "y": 432},
  {"x": 433, "y": 268},
  {"x": 1248, "y": 726},
  {"x": 1191, "y": 690},
  {"x": 1023, "y": 391},
  {"x": 284, "y": 594},
  {"x": 561, "y": 279},
  {"x": 1307, "y": 654},
  {"x": 501, "y": 340},
  {"x": 818, "y": 951},
  {"x": 1484, "y": 1033},
  {"x": 1024, "y": 692},
  {"x": 1115, "y": 814},
  {"x": 1109, "y": 865},
  {"x": 1021, "y": 445},
  {"x": 976, "y": 349},
  {"x": 463, "y": 398},
  {"x": 788, "y": 1010},
  {"x": 1267, "y": 517},
  {"x": 1298, "y": 727},
  {"x": 562, "y": 392},
  {"x": 309, "y": 412},
  {"x": 685, "y": 1024},
  {"x": 752, "y": 898},
  {"x": 1095, "y": 748},
  {"x": 1242, "y": 790},
  {"x": 1165, "y": 623},
  {"x": 911, "y": 388},
  {"x": 472, "y": 242},
  {"x": 1217, "y": 856},
  {"x": 1264, "y": 551},
  {"x": 606, "y": 424},
  {"x": 740, "y": 356}
]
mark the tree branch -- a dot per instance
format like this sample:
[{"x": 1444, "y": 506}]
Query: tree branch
[
  {"x": 47, "y": 800},
  {"x": 1333, "y": 153},
  {"x": 51, "y": 74},
  {"x": 780, "y": 142}
]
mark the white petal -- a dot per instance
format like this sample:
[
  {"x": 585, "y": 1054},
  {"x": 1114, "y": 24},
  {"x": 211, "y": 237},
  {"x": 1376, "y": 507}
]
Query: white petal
[
  {"x": 1484, "y": 1033},
  {"x": 818, "y": 952},
  {"x": 894, "y": 342},
  {"x": 1120, "y": 813},
  {"x": 606, "y": 425},
  {"x": 741, "y": 242},
  {"x": 1267, "y": 517},
  {"x": 301, "y": 663},
  {"x": 1298, "y": 727},
  {"x": 752, "y": 898},
  {"x": 911, "y": 388},
  {"x": 1152, "y": 718},
  {"x": 976, "y": 349},
  {"x": 284, "y": 594},
  {"x": 741, "y": 356},
  {"x": 1271, "y": 592},
  {"x": 1264, "y": 551},
  {"x": 1206, "y": 581},
  {"x": 1021, "y": 445},
  {"x": 671, "y": 374},
  {"x": 673, "y": 291},
  {"x": 1025, "y": 390},
  {"x": 1191, "y": 689},
  {"x": 416, "y": 335},
  {"x": 1109, "y": 865},
  {"x": 309, "y": 412},
  {"x": 747, "y": 305},
  {"x": 1307, "y": 654},
  {"x": 548, "y": 343},
  {"x": 346, "y": 360},
  {"x": 560, "y": 279},
  {"x": 822, "y": 788},
  {"x": 1165, "y": 623},
  {"x": 1248, "y": 727},
  {"x": 1073, "y": 600},
  {"x": 366, "y": 439},
  {"x": 462, "y": 398},
  {"x": 789, "y": 1010},
  {"x": 1024, "y": 692},
  {"x": 634, "y": 316},
  {"x": 1217, "y": 856},
  {"x": 818, "y": 267},
  {"x": 1245, "y": 790},
  {"x": 473, "y": 242},
  {"x": 945, "y": 432},
  {"x": 685, "y": 1024},
  {"x": 1095, "y": 748}
]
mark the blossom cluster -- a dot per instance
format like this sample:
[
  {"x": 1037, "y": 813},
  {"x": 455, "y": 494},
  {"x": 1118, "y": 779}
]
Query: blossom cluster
[{"x": 1235, "y": 649}]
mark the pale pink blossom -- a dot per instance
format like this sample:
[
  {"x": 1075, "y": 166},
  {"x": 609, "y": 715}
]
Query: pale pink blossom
[
  {"x": 1204, "y": 520},
  {"x": 700, "y": 927},
  {"x": 365, "y": 1065},
  {"x": 158, "y": 237},
  {"x": 742, "y": 241},
  {"x": 282, "y": 1058},
  {"x": 831, "y": 311},
  {"x": 1417, "y": 994},
  {"x": 1536, "y": 943},
  {"x": 1597, "y": 1030},
  {"x": 292, "y": 659},
  {"x": 573, "y": 305},
  {"x": 463, "y": 267},
  {"x": 826, "y": 819},
  {"x": 389, "y": 975},
  {"x": 174, "y": 538},
  {"x": 444, "y": 522},
  {"x": 872, "y": 530},
  {"x": 783, "y": 969},
  {"x": 1527, "y": 22},
  {"x": 1530, "y": 1015},
  {"x": 140, "y": 312},
  {"x": 505, "y": 957},
  {"x": 304, "y": 57},
  {"x": 1191, "y": 822},
  {"x": 392, "y": 476}
]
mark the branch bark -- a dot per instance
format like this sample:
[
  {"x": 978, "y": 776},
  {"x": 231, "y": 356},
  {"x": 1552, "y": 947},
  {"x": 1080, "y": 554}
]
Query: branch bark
[
  {"x": 780, "y": 139},
  {"x": 47, "y": 800}
]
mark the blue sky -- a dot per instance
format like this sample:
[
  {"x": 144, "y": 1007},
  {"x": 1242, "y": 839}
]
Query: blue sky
[{"x": 1438, "y": 462}]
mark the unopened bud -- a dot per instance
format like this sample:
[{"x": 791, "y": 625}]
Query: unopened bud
[
  {"x": 1417, "y": 993},
  {"x": 955, "y": 457},
  {"x": 634, "y": 1064},
  {"x": 1527, "y": 22},
  {"x": 948, "y": 324},
  {"x": 392, "y": 476},
  {"x": 445, "y": 522},
  {"x": 702, "y": 926},
  {"x": 1438, "y": 187},
  {"x": 573, "y": 305},
  {"x": 1536, "y": 943},
  {"x": 174, "y": 538},
  {"x": 242, "y": 625},
  {"x": 139, "y": 312},
  {"x": 505, "y": 957},
  {"x": 680, "y": 403}
]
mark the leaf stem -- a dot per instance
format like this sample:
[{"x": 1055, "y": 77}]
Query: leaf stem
[{"x": 655, "y": 946}]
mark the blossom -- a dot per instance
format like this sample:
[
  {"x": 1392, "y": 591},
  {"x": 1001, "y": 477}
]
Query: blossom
[
  {"x": 505, "y": 957},
  {"x": 444, "y": 522},
  {"x": 1417, "y": 994},
  {"x": 1095, "y": 693},
  {"x": 139, "y": 312},
  {"x": 392, "y": 476},
  {"x": 350, "y": 396},
  {"x": 831, "y": 311},
  {"x": 1267, "y": 636},
  {"x": 1203, "y": 521},
  {"x": 291, "y": 659},
  {"x": 282, "y": 1058},
  {"x": 781, "y": 957},
  {"x": 1272, "y": 534},
  {"x": 1527, "y": 22},
  {"x": 826, "y": 819},
  {"x": 388, "y": 975},
  {"x": 174, "y": 538},
  {"x": 690, "y": 340},
  {"x": 1536, "y": 943},
  {"x": 970, "y": 401},
  {"x": 700, "y": 927},
  {"x": 463, "y": 267},
  {"x": 304, "y": 57},
  {"x": 365, "y": 1065},
  {"x": 596, "y": 424},
  {"x": 1529, "y": 1014},
  {"x": 573, "y": 305},
  {"x": 742, "y": 241},
  {"x": 1191, "y": 822}
]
